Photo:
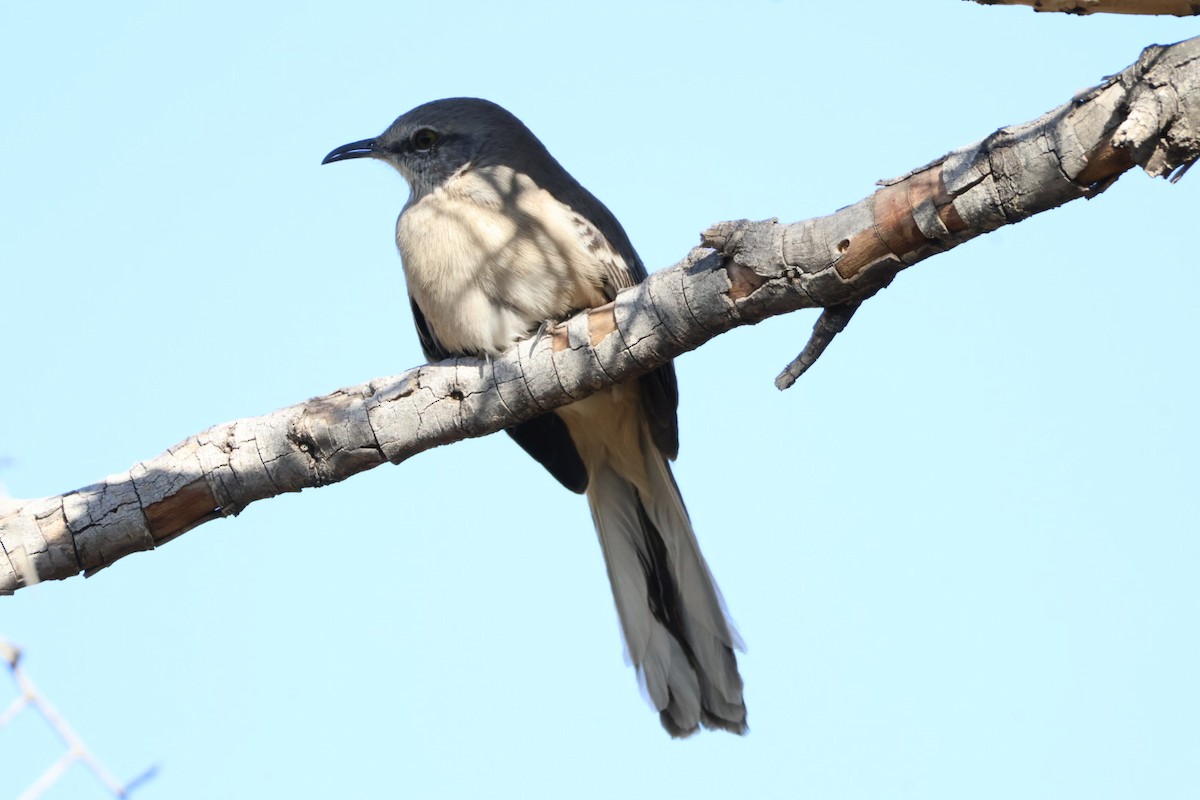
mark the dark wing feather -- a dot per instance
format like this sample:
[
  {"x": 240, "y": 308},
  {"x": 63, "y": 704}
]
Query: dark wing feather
[
  {"x": 430, "y": 346},
  {"x": 660, "y": 401},
  {"x": 546, "y": 438}
]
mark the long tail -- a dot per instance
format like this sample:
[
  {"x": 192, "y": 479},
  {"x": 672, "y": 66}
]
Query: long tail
[{"x": 671, "y": 611}]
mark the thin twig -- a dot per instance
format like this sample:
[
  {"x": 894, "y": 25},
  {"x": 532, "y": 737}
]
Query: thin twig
[
  {"x": 76, "y": 749},
  {"x": 833, "y": 320}
]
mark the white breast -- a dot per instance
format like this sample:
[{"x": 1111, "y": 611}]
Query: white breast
[{"x": 489, "y": 256}]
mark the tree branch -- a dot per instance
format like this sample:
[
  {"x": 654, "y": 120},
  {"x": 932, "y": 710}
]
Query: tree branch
[
  {"x": 1175, "y": 8},
  {"x": 1148, "y": 115}
]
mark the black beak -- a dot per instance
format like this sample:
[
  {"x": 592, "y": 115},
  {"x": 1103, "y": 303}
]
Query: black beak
[{"x": 363, "y": 149}]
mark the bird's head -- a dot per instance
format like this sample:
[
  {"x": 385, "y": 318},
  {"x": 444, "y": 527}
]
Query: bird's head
[{"x": 436, "y": 141}]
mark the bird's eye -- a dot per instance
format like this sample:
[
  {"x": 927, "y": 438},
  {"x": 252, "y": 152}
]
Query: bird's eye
[{"x": 424, "y": 140}]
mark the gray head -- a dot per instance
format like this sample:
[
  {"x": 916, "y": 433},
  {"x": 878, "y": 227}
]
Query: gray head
[{"x": 436, "y": 140}]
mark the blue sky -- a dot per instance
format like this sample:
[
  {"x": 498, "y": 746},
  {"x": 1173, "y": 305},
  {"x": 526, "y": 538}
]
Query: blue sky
[{"x": 962, "y": 551}]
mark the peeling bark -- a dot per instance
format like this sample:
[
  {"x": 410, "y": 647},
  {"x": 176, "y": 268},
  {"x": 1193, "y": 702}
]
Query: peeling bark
[{"x": 1148, "y": 115}]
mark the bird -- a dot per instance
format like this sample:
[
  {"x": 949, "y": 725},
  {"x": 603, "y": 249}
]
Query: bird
[{"x": 497, "y": 240}]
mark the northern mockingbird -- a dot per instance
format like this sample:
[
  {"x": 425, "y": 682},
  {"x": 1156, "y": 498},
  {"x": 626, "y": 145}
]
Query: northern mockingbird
[{"x": 497, "y": 239}]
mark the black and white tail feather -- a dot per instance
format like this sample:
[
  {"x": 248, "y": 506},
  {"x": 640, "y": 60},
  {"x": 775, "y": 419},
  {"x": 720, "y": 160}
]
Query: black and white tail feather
[{"x": 671, "y": 612}]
